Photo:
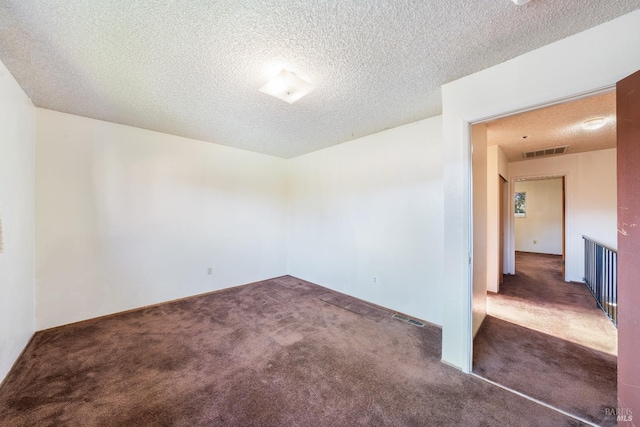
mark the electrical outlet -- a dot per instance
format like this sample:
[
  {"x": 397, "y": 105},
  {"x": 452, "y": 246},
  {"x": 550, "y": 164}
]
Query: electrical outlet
[
  {"x": 209, "y": 271},
  {"x": 375, "y": 280}
]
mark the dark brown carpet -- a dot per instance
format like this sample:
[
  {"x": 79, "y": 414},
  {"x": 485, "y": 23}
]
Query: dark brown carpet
[
  {"x": 267, "y": 354},
  {"x": 568, "y": 375}
]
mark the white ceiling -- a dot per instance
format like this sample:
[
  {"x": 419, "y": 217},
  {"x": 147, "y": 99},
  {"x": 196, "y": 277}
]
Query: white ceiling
[
  {"x": 556, "y": 126},
  {"x": 193, "y": 68}
]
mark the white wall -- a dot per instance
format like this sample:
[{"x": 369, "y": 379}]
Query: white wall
[
  {"x": 127, "y": 217},
  {"x": 115, "y": 228},
  {"x": 591, "y": 203},
  {"x": 540, "y": 230},
  {"x": 480, "y": 170},
  {"x": 373, "y": 207},
  {"x": 17, "y": 171},
  {"x": 549, "y": 74},
  {"x": 496, "y": 168}
]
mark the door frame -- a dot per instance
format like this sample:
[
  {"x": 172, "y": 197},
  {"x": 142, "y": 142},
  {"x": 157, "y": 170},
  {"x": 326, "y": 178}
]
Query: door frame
[
  {"x": 503, "y": 225},
  {"x": 556, "y": 72},
  {"x": 564, "y": 227},
  {"x": 467, "y": 362},
  {"x": 512, "y": 227}
]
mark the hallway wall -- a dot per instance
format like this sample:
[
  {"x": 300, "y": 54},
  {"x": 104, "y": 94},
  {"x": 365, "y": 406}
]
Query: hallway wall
[
  {"x": 540, "y": 230},
  {"x": 591, "y": 202},
  {"x": 480, "y": 222},
  {"x": 497, "y": 169}
]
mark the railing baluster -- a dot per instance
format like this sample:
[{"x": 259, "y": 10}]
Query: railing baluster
[{"x": 601, "y": 276}]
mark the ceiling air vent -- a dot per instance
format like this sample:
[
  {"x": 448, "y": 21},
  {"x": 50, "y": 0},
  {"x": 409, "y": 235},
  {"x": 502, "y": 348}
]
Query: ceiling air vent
[{"x": 546, "y": 152}]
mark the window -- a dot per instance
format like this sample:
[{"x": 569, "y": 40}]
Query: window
[{"x": 520, "y": 205}]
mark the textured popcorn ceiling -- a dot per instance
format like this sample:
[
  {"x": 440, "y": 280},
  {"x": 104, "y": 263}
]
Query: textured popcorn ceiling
[
  {"x": 556, "y": 126},
  {"x": 193, "y": 68}
]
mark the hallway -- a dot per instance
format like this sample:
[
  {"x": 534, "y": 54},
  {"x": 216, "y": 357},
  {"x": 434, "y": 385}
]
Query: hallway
[{"x": 546, "y": 338}]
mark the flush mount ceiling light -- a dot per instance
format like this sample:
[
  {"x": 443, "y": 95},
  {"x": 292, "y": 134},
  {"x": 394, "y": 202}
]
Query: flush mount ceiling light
[
  {"x": 593, "y": 124},
  {"x": 287, "y": 86},
  {"x": 520, "y": 2}
]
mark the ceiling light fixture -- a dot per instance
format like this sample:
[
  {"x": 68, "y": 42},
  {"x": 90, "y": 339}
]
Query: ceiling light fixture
[
  {"x": 287, "y": 86},
  {"x": 593, "y": 124},
  {"x": 520, "y": 2}
]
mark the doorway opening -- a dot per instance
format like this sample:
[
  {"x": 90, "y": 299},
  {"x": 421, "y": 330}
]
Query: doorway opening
[
  {"x": 539, "y": 217},
  {"x": 529, "y": 215}
]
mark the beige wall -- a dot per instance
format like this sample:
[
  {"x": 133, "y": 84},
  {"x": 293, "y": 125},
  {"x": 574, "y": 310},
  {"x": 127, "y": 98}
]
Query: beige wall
[
  {"x": 480, "y": 253},
  {"x": 540, "y": 230},
  {"x": 496, "y": 168},
  {"x": 489, "y": 163},
  {"x": 591, "y": 202}
]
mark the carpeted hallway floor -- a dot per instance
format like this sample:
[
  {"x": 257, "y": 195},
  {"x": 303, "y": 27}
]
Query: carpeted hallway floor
[
  {"x": 546, "y": 338},
  {"x": 282, "y": 352}
]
